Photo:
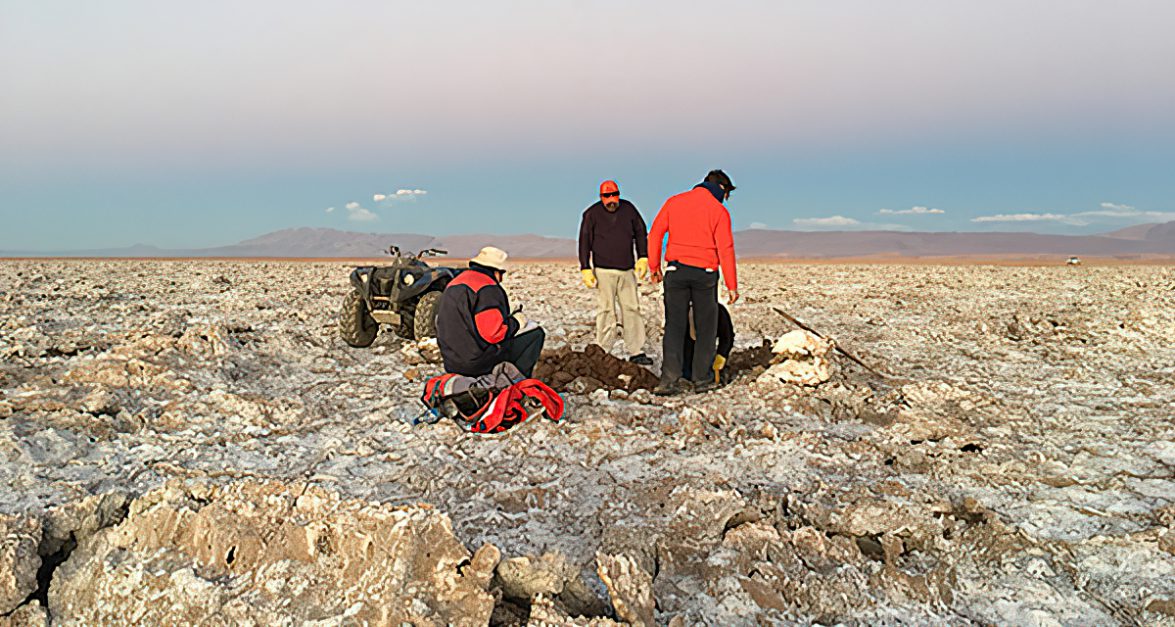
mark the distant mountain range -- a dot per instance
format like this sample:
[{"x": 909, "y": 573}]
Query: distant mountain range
[{"x": 1137, "y": 241}]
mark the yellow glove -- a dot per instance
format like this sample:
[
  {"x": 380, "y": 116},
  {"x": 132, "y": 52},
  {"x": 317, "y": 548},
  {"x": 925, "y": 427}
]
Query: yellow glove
[
  {"x": 642, "y": 268},
  {"x": 521, "y": 318},
  {"x": 719, "y": 364},
  {"x": 589, "y": 277}
]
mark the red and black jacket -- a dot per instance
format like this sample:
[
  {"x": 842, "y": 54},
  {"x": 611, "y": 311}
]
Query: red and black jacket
[{"x": 472, "y": 321}]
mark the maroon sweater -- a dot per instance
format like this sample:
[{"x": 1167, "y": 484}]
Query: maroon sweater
[{"x": 606, "y": 239}]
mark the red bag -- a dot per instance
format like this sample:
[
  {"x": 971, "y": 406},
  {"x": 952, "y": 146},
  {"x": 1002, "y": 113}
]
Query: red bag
[
  {"x": 513, "y": 405},
  {"x": 489, "y": 410}
]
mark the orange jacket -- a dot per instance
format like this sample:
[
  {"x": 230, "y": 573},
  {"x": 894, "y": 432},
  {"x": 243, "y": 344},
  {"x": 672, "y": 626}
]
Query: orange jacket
[{"x": 699, "y": 234}]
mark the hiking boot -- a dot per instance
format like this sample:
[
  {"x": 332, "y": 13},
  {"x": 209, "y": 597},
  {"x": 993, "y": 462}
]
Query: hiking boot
[
  {"x": 641, "y": 359},
  {"x": 705, "y": 386},
  {"x": 671, "y": 388}
]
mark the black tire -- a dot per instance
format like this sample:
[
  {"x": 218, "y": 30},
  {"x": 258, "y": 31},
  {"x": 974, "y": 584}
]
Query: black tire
[
  {"x": 356, "y": 326},
  {"x": 424, "y": 322}
]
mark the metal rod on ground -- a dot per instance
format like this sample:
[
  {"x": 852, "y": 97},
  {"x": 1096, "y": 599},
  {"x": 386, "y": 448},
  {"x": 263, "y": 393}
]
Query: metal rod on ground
[{"x": 835, "y": 345}]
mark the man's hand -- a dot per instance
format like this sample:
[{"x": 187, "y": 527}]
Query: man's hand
[
  {"x": 732, "y": 296},
  {"x": 589, "y": 278},
  {"x": 656, "y": 277},
  {"x": 642, "y": 268},
  {"x": 521, "y": 319}
]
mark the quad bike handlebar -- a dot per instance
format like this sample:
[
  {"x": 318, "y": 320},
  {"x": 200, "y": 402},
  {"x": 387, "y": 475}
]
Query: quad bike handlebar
[{"x": 395, "y": 251}]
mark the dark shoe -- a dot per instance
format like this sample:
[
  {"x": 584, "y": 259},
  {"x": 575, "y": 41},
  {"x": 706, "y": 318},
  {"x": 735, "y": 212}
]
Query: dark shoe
[
  {"x": 668, "y": 389},
  {"x": 705, "y": 386},
  {"x": 641, "y": 360}
]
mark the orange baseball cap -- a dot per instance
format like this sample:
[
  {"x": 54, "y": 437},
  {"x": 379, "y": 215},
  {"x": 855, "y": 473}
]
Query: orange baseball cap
[{"x": 609, "y": 187}]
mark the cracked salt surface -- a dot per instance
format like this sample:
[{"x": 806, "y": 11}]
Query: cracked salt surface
[{"x": 1019, "y": 469}]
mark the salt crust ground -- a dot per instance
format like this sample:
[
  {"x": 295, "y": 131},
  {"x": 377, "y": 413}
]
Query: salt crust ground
[{"x": 1017, "y": 470}]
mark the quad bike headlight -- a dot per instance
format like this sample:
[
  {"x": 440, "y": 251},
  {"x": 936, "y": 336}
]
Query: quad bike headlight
[{"x": 409, "y": 279}]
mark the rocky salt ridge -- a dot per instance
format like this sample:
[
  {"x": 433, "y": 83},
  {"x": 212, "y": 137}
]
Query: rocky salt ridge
[{"x": 160, "y": 418}]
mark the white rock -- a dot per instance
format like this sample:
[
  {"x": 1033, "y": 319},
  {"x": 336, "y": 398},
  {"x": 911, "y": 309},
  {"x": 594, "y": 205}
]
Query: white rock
[
  {"x": 19, "y": 537},
  {"x": 799, "y": 344},
  {"x": 805, "y": 360}
]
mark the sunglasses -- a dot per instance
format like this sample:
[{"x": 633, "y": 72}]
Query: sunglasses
[{"x": 610, "y": 195}]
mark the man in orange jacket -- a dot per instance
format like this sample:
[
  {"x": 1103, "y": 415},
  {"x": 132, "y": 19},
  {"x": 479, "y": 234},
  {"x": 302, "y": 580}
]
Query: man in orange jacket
[{"x": 700, "y": 243}]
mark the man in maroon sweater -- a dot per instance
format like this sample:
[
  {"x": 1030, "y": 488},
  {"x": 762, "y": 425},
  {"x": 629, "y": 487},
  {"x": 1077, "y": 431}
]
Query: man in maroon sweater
[{"x": 610, "y": 230}]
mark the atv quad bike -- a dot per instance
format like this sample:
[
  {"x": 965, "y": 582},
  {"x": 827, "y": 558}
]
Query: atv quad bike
[{"x": 404, "y": 295}]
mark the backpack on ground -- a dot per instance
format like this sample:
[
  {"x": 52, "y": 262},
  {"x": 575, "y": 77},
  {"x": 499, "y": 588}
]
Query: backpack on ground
[{"x": 491, "y": 403}]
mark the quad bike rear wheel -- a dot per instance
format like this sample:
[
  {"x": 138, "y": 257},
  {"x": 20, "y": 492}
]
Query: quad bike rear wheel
[
  {"x": 356, "y": 326},
  {"x": 424, "y": 323}
]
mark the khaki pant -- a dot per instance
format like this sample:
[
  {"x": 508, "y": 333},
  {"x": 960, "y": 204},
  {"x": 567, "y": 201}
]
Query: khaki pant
[{"x": 619, "y": 286}]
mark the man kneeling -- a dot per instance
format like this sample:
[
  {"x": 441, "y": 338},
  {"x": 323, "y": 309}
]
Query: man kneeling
[
  {"x": 725, "y": 346},
  {"x": 475, "y": 329}
]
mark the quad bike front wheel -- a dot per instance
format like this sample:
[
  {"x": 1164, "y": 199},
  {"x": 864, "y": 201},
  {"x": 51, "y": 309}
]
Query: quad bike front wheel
[
  {"x": 356, "y": 326},
  {"x": 424, "y": 322}
]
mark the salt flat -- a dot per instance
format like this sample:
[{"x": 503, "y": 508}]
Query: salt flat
[{"x": 1017, "y": 468}]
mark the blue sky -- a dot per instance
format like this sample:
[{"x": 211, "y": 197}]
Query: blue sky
[{"x": 186, "y": 126}]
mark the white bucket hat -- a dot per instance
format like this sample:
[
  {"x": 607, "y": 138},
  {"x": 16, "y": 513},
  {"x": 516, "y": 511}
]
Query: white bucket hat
[{"x": 491, "y": 257}]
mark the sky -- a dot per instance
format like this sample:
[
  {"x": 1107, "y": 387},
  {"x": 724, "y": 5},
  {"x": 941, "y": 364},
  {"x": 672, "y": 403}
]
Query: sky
[{"x": 201, "y": 124}]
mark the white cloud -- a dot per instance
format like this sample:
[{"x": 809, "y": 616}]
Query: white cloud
[
  {"x": 912, "y": 211},
  {"x": 758, "y": 225},
  {"x": 845, "y": 223},
  {"x": 1133, "y": 216},
  {"x": 358, "y": 213},
  {"x": 1027, "y": 217},
  {"x": 398, "y": 196},
  {"x": 330, "y": 209},
  {"x": 361, "y": 214},
  {"x": 1115, "y": 210},
  {"x": 1111, "y": 213},
  {"x": 1108, "y": 214},
  {"x": 826, "y": 222}
]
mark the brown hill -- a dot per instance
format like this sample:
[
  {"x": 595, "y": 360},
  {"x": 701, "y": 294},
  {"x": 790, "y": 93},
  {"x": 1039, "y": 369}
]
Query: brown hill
[
  {"x": 1142, "y": 240},
  {"x": 1138, "y": 231},
  {"x": 307, "y": 242}
]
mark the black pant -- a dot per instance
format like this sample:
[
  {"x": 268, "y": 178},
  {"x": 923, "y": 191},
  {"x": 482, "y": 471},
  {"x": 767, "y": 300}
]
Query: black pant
[
  {"x": 524, "y": 350},
  {"x": 686, "y": 287},
  {"x": 687, "y": 358}
]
